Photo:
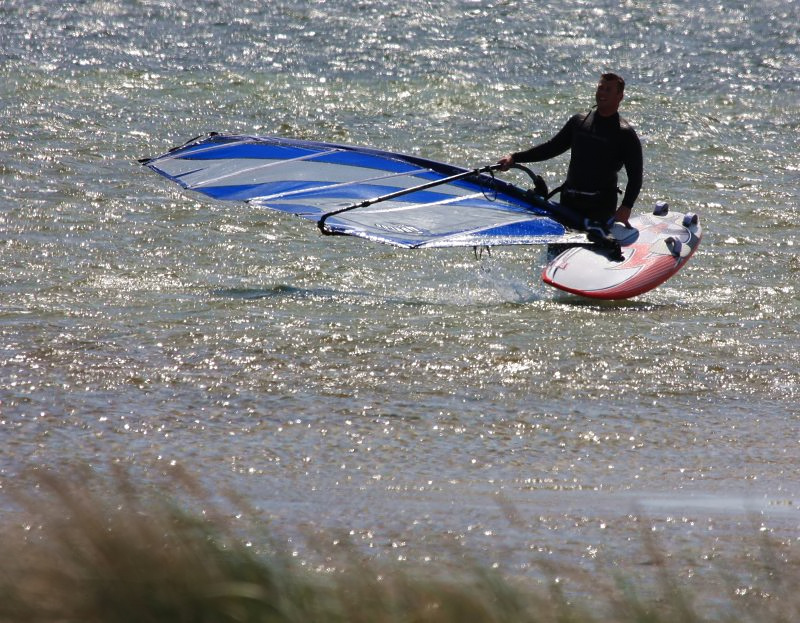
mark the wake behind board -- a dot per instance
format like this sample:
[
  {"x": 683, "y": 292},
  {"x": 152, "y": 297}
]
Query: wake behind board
[{"x": 655, "y": 247}]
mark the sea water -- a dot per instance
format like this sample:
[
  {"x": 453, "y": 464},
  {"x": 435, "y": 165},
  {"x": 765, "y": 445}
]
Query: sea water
[{"x": 421, "y": 402}]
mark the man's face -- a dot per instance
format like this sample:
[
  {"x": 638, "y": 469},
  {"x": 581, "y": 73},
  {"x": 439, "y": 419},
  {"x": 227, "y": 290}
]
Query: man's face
[{"x": 608, "y": 96}]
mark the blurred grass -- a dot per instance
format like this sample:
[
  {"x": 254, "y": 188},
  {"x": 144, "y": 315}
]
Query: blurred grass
[{"x": 90, "y": 549}]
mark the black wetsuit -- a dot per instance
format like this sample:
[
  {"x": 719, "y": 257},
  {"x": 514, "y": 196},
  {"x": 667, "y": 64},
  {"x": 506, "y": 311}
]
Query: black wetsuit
[{"x": 601, "y": 146}]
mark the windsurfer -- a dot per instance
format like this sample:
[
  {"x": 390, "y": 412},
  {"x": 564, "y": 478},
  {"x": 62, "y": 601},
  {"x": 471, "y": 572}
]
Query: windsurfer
[{"x": 601, "y": 143}]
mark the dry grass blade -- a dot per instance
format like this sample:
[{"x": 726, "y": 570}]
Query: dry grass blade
[{"x": 91, "y": 549}]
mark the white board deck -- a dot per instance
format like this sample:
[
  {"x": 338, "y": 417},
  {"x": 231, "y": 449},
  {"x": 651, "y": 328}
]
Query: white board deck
[{"x": 654, "y": 249}]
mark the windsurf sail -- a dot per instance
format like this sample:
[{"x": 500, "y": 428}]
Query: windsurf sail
[{"x": 365, "y": 192}]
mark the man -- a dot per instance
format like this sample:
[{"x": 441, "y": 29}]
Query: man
[{"x": 601, "y": 143}]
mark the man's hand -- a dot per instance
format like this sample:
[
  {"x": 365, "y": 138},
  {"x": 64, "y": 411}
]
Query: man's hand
[
  {"x": 505, "y": 162},
  {"x": 623, "y": 215}
]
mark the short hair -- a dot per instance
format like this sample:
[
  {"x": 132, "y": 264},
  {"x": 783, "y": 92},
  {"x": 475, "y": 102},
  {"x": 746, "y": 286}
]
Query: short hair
[{"x": 615, "y": 78}]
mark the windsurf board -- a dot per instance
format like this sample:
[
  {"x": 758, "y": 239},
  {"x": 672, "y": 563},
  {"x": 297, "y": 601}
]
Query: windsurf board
[{"x": 654, "y": 248}]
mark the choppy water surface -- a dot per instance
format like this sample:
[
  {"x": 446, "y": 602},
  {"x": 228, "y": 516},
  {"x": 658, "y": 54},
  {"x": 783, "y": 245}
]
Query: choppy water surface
[{"x": 413, "y": 399}]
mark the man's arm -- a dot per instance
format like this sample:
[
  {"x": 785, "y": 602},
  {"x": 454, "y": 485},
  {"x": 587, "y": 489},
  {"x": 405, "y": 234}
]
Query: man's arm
[
  {"x": 634, "y": 167},
  {"x": 556, "y": 146}
]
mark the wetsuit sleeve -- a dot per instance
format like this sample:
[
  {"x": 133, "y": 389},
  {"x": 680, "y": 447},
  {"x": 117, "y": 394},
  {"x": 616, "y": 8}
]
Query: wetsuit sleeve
[
  {"x": 556, "y": 146},
  {"x": 634, "y": 166}
]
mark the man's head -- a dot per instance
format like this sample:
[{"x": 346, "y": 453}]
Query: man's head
[{"x": 609, "y": 94}]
